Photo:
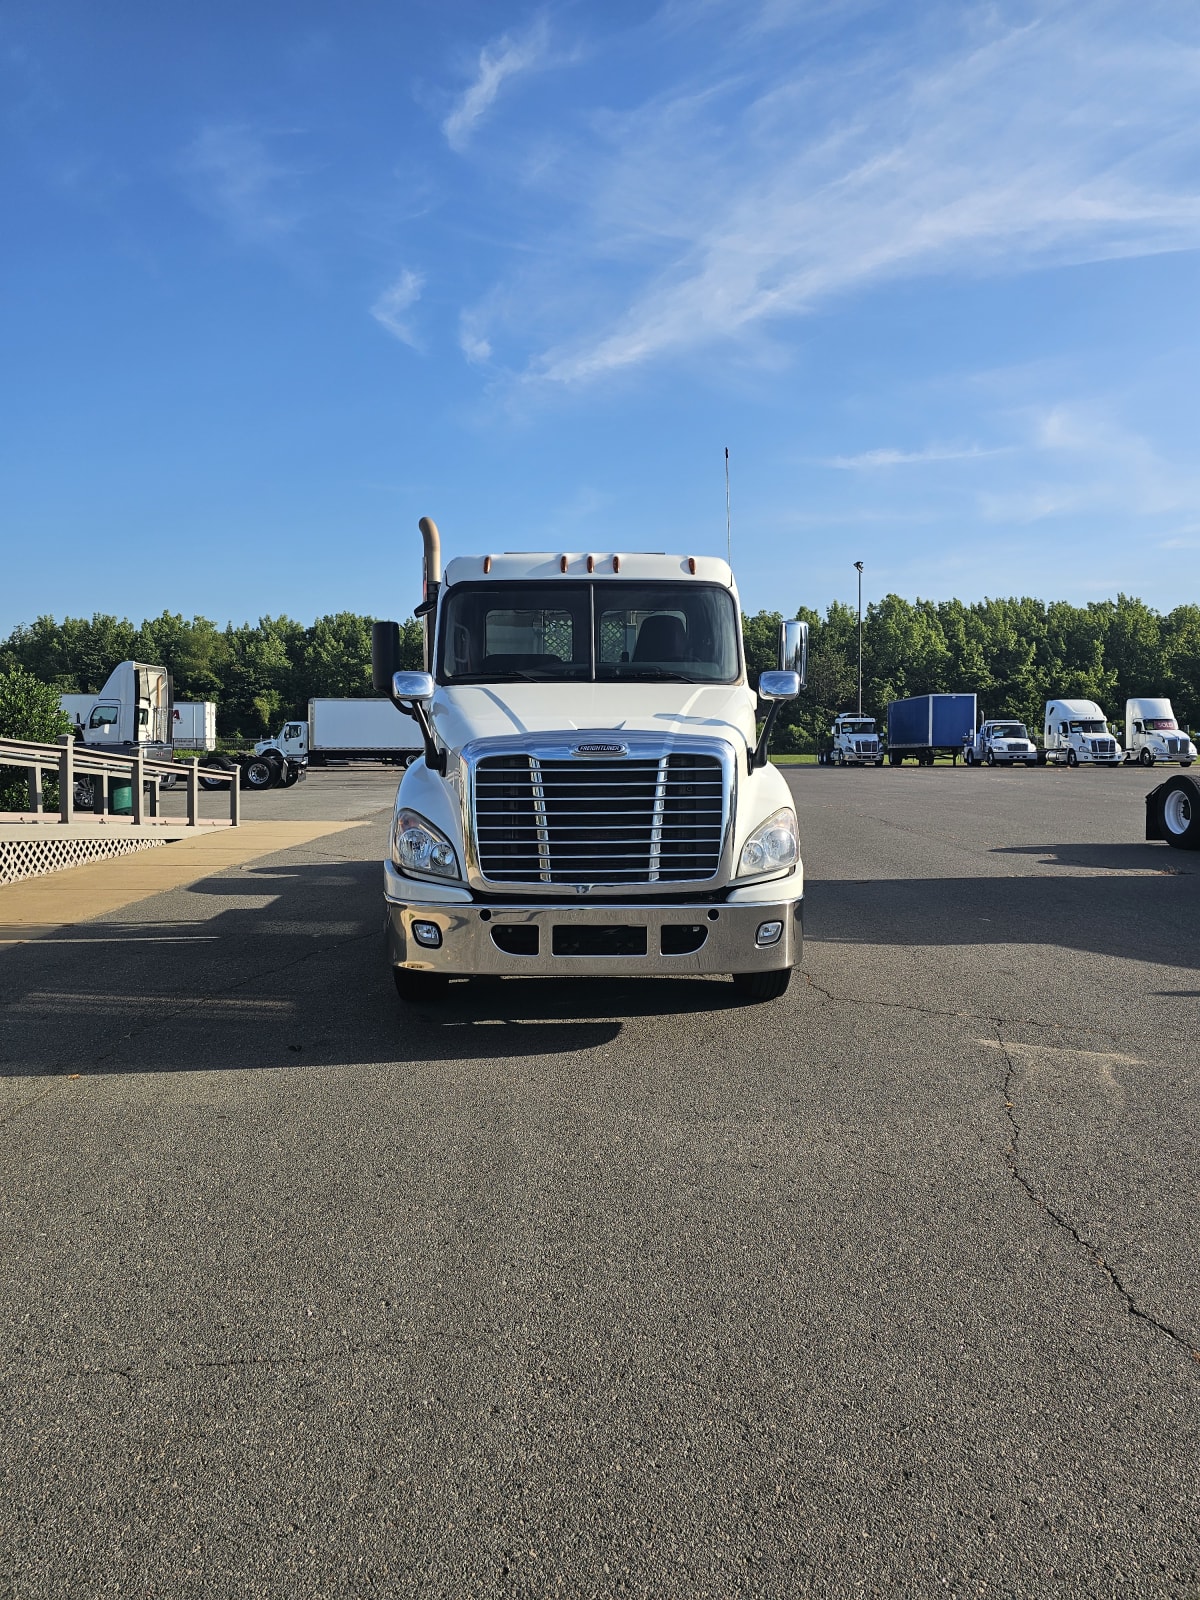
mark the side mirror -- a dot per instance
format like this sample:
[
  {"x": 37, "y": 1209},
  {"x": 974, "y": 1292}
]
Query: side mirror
[
  {"x": 779, "y": 685},
  {"x": 793, "y": 652},
  {"x": 415, "y": 686},
  {"x": 385, "y": 655}
]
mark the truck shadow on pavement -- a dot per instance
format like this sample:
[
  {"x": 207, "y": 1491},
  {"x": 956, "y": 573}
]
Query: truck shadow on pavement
[
  {"x": 283, "y": 966},
  {"x": 1142, "y": 858}
]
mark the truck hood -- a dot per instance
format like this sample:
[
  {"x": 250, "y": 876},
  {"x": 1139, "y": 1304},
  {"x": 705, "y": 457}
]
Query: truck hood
[{"x": 485, "y": 711}]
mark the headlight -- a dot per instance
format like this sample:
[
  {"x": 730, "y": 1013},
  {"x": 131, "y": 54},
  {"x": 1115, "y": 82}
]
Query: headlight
[
  {"x": 773, "y": 845},
  {"x": 421, "y": 849}
]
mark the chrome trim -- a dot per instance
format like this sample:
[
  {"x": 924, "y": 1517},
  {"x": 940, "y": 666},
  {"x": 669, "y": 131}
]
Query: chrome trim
[{"x": 561, "y": 747}]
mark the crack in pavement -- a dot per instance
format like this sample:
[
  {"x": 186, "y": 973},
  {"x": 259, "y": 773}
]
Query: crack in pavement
[
  {"x": 935, "y": 1011},
  {"x": 1013, "y": 1157}
]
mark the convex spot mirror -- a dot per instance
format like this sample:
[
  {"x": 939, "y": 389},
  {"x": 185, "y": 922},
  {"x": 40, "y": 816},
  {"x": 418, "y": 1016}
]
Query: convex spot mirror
[
  {"x": 779, "y": 685},
  {"x": 416, "y": 686},
  {"x": 793, "y": 652}
]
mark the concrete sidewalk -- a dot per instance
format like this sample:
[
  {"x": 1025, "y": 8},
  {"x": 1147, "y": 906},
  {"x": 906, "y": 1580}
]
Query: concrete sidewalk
[{"x": 77, "y": 894}]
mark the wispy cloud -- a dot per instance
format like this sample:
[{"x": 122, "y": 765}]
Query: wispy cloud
[
  {"x": 392, "y": 305},
  {"x": 868, "y": 460},
  {"x": 500, "y": 60},
  {"x": 233, "y": 176},
  {"x": 736, "y": 201}
]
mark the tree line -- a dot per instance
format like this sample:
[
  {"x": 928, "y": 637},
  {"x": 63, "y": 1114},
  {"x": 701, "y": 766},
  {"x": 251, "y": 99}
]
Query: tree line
[{"x": 1014, "y": 654}]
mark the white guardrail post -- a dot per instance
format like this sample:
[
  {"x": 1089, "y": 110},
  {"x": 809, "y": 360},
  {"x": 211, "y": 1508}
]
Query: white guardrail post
[{"x": 66, "y": 778}]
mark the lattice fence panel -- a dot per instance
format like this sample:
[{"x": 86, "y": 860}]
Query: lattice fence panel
[{"x": 30, "y": 858}]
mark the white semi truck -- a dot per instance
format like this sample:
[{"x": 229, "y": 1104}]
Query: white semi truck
[
  {"x": 593, "y": 795},
  {"x": 131, "y": 714},
  {"x": 854, "y": 742},
  {"x": 1152, "y": 734},
  {"x": 1000, "y": 742},
  {"x": 1077, "y": 733}
]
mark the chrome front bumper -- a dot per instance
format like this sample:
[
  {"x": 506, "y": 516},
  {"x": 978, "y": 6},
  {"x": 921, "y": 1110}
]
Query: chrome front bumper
[{"x": 473, "y": 934}]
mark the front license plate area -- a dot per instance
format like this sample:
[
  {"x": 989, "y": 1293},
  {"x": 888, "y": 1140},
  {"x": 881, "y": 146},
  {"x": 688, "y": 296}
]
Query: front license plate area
[{"x": 583, "y": 939}]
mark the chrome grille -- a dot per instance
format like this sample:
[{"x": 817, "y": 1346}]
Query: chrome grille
[
  {"x": 1176, "y": 747},
  {"x": 637, "y": 819}
]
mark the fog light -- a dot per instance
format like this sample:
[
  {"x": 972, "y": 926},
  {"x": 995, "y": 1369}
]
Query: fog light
[
  {"x": 430, "y": 935},
  {"x": 768, "y": 933}
]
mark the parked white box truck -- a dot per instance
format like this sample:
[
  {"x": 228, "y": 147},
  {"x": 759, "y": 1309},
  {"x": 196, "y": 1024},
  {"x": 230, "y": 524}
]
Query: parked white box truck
[
  {"x": 854, "y": 742},
  {"x": 1077, "y": 733},
  {"x": 1152, "y": 734},
  {"x": 593, "y": 794}
]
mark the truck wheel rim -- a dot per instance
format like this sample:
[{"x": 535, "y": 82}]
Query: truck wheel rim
[{"x": 1177, "y": 812}]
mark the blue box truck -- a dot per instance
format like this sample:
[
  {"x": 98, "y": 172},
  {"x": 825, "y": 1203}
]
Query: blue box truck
[{"x": 928, "y": 724}]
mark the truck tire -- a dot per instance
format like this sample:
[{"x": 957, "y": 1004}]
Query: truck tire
[
  {"x": 1179, "y": 812},
  {"x": 1146, "y": 757},
  {"x": 259, "y": 772},
  {"x": 1072, "y": 759},
  {"x": 759, "y": 986},
  {"x": 969, "y": 756},
  {"x": 290, "y": 775},
  {"x": 420, "y": 988},
  {"x": 895, "y": 758},
  {"x": 990, "y": 759}
]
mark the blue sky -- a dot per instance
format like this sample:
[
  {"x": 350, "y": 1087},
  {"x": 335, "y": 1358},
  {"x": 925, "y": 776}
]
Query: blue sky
[{"x": 278, "y": 279}]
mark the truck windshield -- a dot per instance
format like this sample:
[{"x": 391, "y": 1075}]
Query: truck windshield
[
  {"x": 593, "y": 632},
  {"x": 1009, "y": 730},
  {"x": 1159, "y": 724},
  {"x": 859, "y": 725},
  {"x": 1089, "y": 727}
]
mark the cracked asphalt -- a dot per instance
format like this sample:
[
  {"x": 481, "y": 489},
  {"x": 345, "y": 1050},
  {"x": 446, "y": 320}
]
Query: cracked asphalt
[{"x": 618, "y": 1288}]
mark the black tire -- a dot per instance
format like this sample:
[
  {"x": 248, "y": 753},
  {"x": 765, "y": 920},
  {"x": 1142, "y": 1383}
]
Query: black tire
[
  {"x": 990, "y": 759},
  {"x": 969, "y": 756},
  {"x": 895, "y": 758},
  {"x": 420, "y": 988},
  {"x": 259, "y": 773},
  {"x": 1179, "y": 813},
  {"x": 290, "y": 775},
  {"x": 1146, "y": 757},
  {"x": 759, "y": 986},
  {"x": 1072, "y": 759}
]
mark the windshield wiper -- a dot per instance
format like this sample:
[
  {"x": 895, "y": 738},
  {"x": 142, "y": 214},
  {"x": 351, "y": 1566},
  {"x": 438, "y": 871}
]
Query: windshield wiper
[{"x": 631, "y": 674}]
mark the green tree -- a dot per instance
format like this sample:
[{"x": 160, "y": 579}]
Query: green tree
[{"x": 29, "y": 710}]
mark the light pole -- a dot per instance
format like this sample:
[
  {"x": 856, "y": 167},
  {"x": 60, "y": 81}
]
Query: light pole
[{"x": 858, "y": 567}]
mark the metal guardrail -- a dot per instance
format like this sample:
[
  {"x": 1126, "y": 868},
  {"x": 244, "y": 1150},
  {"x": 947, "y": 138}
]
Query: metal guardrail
[{"x": 69, "y": 760}]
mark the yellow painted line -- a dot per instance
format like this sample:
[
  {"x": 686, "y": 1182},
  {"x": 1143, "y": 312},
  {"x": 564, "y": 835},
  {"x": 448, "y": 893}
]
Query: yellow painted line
[{"x": 60, "y": 899}]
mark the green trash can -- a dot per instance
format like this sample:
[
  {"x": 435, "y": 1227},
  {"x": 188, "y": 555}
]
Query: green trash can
[{"x": 120, "y": 799}]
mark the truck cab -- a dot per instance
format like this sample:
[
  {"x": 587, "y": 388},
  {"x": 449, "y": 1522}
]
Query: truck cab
[
  {"x": 131, "y": 715},
  {"x": 593, "y": 795},
  {"x": 290, "y": 743},
  {"x": 854, "y": 742},
  {"x": 1077, "y": 734},
  {"x": 1001, "y": 743},
  {"x": 1152, "y": 734}
]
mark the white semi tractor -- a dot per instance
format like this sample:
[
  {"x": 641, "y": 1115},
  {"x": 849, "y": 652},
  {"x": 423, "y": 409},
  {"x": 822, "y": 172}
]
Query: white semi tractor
[
  {"x": 1152, "y": 734},
  {"x": 131, "y": 715},
  {"x": 1076, "y": 732},
  {"x": 593, "y": 795}
]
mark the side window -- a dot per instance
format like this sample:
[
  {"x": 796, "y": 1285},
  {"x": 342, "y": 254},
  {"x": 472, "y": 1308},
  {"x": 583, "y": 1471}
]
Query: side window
[{"x": 103, "y": 716}]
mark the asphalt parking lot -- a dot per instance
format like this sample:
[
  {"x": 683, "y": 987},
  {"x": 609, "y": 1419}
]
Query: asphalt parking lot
[{"x": 618, "y": 1288}]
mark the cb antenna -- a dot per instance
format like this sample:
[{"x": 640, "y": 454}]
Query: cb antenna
[{"x": 728, "y": 535}]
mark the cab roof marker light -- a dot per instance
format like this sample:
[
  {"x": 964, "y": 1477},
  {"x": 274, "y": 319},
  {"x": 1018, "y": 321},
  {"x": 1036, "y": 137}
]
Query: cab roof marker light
[
  {"x": 616, "y": 563},
  {"x": 591, "y": 563},
  {"x": 692, "y": 565},
  {"x": 562, "y": 564},
  {"x": 487, "y": 564}
]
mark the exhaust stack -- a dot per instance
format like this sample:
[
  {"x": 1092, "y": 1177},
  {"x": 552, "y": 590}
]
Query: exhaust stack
[{"x": 431, "y": 581}]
